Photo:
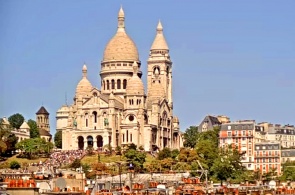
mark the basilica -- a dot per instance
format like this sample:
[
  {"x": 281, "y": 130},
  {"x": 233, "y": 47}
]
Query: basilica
[{"x": 122, "y": 112}]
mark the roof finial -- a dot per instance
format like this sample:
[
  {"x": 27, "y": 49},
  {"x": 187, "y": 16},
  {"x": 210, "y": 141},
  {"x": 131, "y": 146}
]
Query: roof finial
[
  {"x": 159, "y": 27},
  {"x": 121, "y": 19},
  {"x": 84, "y": 70}
]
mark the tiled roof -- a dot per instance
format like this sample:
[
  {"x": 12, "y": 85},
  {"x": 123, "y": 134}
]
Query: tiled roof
[{"x": 42, "y": 110}]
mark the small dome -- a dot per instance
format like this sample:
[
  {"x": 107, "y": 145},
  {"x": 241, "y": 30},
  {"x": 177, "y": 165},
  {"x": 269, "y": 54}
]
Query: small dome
[
  {"x": 135, "y": 85},
  {"x": 156, "y": 91},
  {"x": 121, "y": 47},
  {"x": 84, "y": 86},
  {"x": 175, "y": 119}
]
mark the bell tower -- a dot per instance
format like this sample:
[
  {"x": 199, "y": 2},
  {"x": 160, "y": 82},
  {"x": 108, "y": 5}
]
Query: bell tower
[{"x": 160, "y": 67}]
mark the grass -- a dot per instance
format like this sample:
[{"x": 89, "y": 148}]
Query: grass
[
  {"x": 103, "y": 158},
  {"x": 24, "y": 160},
  {"x": 109, "y": 159}
]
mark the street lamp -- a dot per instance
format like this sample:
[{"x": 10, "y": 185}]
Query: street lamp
[{"x": 120, "y": 164}]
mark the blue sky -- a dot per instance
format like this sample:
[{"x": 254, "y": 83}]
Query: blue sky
[{"x": 235, "y": 58}]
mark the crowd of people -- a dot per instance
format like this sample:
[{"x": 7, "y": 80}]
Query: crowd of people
[{"x": 59, "y": 158}]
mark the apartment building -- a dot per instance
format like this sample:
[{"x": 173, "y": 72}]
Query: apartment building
[
  {"x": 285, "y": 134},
  {"x": 240, "y": 134},
  {"x": 287, "y": 155},
  {"x": 268, "y": 157}
]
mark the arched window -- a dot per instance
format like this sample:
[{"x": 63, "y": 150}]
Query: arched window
[
  {"x": 113, "y": 84},
  {"x": 130, "y": 137},
  {"x": 94, "y": 116},
  {"x": 127, "y": 136},
  {"x": 86, "y": 119},
  {"x": 123, "y": 137},
  {"x": 108, "y": 85},
  {"x": 104, "y": 85},
  {"x": 118, "y": 84},
  {"x": 124, "y": 83}
]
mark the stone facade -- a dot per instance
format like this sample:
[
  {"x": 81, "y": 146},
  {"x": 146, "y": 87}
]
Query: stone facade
[{"x": 121, "y": 113}]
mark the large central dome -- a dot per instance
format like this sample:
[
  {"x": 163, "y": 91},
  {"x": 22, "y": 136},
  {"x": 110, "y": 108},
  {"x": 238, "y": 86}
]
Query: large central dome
[{"x": 121, "y": 47}]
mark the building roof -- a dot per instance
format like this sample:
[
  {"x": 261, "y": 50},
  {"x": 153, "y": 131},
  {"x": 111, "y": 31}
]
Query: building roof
[
  {"x": 160, "y": 41},
  {"x": 43, "y": 132},
  {"x": 24, "y": 125},
  {"x": 121, "y": 47},
  {"x": 42, "y": 110},
  {"x": 135, "y": 85},
  {"x": 288, "y": 153},
  {"x": 84, "y": 86}
]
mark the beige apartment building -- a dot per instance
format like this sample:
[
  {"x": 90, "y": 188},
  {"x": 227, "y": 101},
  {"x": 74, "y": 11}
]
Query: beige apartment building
[{"x": 122, "y": 112}]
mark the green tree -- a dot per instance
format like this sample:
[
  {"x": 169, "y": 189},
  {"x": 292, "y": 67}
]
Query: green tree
[
  {"x": 76, "y": 164},
  {"x": 32, "y": 147},
  {"x": 288, "y": 171},
  {"x": 10, "y": 142},
  {"x": 136, "y": 158},
  {"x": 207, "y": 152},
  {"x": 34, "y": 130},
  {"x": 191, "y": 136},
  {"x": 4, "y": 133},
  {"x": 16, "y": 120},
  {"x": 174, "y": 154},
  {"x": 14, "y": 165},
  {"x": 228, "y": 164},
  {"x": 165, "y": 153},
  {"x": 58, "y": 139},
  {"x": 187, "y": 155}
]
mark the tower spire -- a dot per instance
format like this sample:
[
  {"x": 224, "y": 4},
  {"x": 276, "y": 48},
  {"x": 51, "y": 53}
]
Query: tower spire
[
  {"x": 121, "y": 20},
  {"x": 159, "y": 42},
  {"x": 84, "y": 71}
]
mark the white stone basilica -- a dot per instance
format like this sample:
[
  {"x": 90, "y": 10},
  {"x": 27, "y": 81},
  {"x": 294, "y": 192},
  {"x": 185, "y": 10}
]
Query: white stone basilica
[{"x": 121, "y": 113}]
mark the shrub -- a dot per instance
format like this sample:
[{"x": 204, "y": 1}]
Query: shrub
[{"x": 14, "y": 165}]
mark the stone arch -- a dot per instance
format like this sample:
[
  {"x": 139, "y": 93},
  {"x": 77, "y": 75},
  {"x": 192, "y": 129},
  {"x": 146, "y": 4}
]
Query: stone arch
[
  {"x": 94, "y": 113},
  {"x": 108, "y": 85},
  {"x": 113, "y": 83},
  {"x": 89, "y": 141},
  {"x": 164, "y": 118},
  {"x": 118, "y": 84},
  {"x": 124, "y": 83},
  {"x": 156, "y": 71},
  {"x": 86, "y": 119},
  {"x": 145, "y": 119},
  {"x": 99, "y": 140},
  {"x": 80, "y": 142}
]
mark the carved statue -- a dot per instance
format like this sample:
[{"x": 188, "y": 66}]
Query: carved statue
[
  {"x": 75, "y": 123},
  {"x": 106, "y": 122}
]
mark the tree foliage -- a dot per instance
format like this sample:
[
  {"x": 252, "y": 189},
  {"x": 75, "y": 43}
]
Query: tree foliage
[
  {"x": 165, "y": 153},
  {"x": 16, "y": 120},
  {"x": 191, "y": 136},
  {"x": 136, "y": 158},
  {"x": 228, "y": 164},
  {"x": 288, "y": 171},
  {"x": 34, "y": 130},
  {"x": 32, "y": 147},
  {"x": 14, "y": 165},
  {"x": 7, "y": 138},
  {"x": 58, "y": 139}
]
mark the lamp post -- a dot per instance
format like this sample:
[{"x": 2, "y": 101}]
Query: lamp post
[{"x": 120, "y": 164}]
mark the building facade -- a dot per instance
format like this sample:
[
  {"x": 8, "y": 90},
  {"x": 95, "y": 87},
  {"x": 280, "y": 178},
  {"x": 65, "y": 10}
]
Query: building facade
[
  {"x": 121, "y": 112},
  {"x": 268, "y": 157},
  {"x": 240, "y": 135}
]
